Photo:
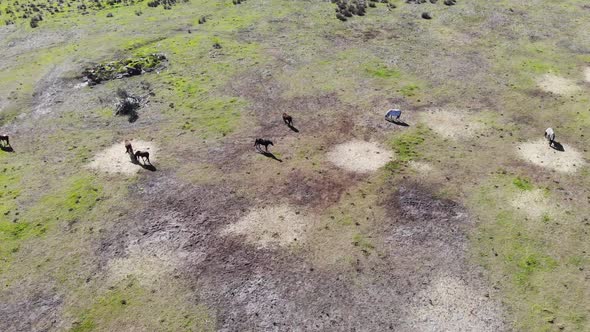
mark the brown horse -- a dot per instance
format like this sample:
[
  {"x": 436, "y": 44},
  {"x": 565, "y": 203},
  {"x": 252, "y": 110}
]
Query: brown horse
[
  {"x": 288, "y": 119},
  {"x": 128, "y": 147},
  {"x": 4, "y": 140},
  {"x": 143, "y": 155}
]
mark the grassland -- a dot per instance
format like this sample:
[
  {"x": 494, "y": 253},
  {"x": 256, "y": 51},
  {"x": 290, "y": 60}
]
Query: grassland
[{"x": 457, "y": 232}]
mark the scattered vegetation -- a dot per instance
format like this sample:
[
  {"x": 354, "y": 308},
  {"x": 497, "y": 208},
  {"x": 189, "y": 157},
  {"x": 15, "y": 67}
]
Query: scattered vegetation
[
  {"x": 166, "y": 4},
  {"x": 35, "y": 10},
  {"x": 348, "y": 8}
]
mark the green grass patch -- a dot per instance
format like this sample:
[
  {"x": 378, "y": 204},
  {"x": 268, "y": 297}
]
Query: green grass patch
[
  {"x": 409, "y": 90},
  {"x": 522, "y": 183},
  {"x": 129, "y": 305},
  {"x": 67, "y": 205},
  {"x": 215, "y": 117},
  {"x": 361, "y": 241},
  {"x": 382, "y": 71},
  {"x": 406, "y": 145}
]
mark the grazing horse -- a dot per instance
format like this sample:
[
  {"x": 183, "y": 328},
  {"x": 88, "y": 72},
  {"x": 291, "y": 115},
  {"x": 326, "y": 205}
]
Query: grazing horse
[
  {"x": 128, "y": 147},
  {"x": 4, "y": 140},
  {"x": 550, "y": 136},
  {"x": 288, "y": 119},
  {"x": 261, "y": 141},
  {"x": 143, "y": 155}
]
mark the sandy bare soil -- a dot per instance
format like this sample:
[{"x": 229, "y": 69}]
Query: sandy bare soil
[
  {"x": 557, "y": 85},
  {"x": 539, "y": 153},
  {"x": 587, "y": 74},
  {"x": 421, "y": 167},
  {"x": 271, "y": 226},
  {"x": 114, "y": 160},
  {"x": 454, "y": 124},
  {"x": 456, "y": 306},
  {"x": 359, "y": 156},
  {"x": 534, "y": 203}
]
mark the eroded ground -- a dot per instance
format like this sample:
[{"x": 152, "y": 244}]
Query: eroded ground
[{"x": 459, "y": 218}]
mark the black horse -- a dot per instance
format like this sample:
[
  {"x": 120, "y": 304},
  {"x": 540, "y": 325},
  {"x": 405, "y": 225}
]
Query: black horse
[
  {"x": 143, "y": 155},
  {"x": 261, "y": 141}
]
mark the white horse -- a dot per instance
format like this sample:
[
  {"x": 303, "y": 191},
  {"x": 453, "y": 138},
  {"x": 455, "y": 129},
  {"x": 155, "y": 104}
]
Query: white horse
[{"x": 550, "y": 136}]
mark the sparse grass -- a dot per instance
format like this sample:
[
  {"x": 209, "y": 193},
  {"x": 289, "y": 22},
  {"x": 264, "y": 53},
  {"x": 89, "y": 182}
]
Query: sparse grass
[{"x": 524, "y": 257}]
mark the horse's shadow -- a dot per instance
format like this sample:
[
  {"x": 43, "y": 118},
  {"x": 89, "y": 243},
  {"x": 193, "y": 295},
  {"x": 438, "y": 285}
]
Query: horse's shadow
[
  {"x": 132, "y": 116},
  {"x": 149, "y": 167},
  {"x": 293, "y": 128},
  {"x": 557, "y": 146},
  {"x": 397, "y": 122},
  {"x": 6, "y": 148},
  {"x": 270, "y": 155}
]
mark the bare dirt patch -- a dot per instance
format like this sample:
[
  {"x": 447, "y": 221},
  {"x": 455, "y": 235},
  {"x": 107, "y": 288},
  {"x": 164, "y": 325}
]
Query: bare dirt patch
[
  {"x": 456, "y": 306},
  {"x": 271, "y": 226},
  {"x": 427, "y": 240},
  {"x": 557, "y": 85},
  {"x": 587, "y": 74},
  {"x": 421, "y": 167},
  {"x": 539, "y": 153},
  {"x": 256, "y": 289},
  {"x": 360, "y": 156},
  {"x": 454, "y": 124},
  {"x": 114, "y": 160}
]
